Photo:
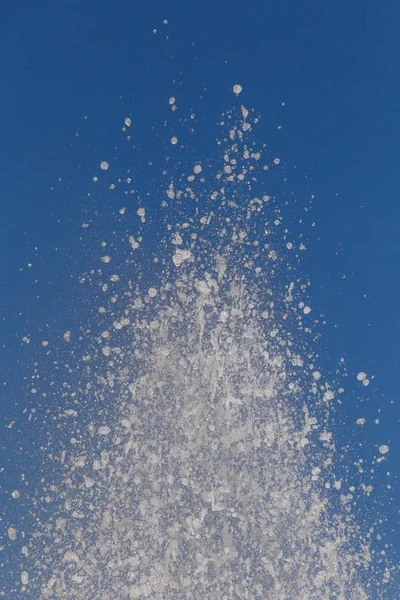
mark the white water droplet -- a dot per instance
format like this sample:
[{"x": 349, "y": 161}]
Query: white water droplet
[
  {"x": 104, "y": 430},
  {"x": 24, "y": 577},
  {"x": 104, "y": 165},
  {"x": 180, "y": 256},
  {"x": 237, "y": 88}
]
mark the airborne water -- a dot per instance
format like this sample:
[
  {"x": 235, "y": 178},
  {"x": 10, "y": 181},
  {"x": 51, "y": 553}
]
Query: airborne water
[{"x": 196, "y": 459}]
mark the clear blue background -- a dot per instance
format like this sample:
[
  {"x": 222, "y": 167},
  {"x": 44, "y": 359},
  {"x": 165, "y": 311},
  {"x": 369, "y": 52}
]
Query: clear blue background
[{"x": 334, "y": 64}]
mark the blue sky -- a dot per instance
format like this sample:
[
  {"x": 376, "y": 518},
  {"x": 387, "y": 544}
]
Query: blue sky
[{"x": 334, "y": 65}]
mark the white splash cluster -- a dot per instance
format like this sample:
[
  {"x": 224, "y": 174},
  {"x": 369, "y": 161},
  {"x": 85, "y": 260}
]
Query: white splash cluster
[
  {"x": 363, "y": 378},
  {"x": 198, "y": 462},
  {"x": 199, "y": 485}
]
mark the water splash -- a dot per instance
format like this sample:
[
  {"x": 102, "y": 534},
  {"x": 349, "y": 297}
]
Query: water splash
[{"x": 201, "y": 457}]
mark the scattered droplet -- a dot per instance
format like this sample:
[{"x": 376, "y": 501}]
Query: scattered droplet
[
  {"x": 104, "y": 430},
  {"x": 181, "y": 256}
]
